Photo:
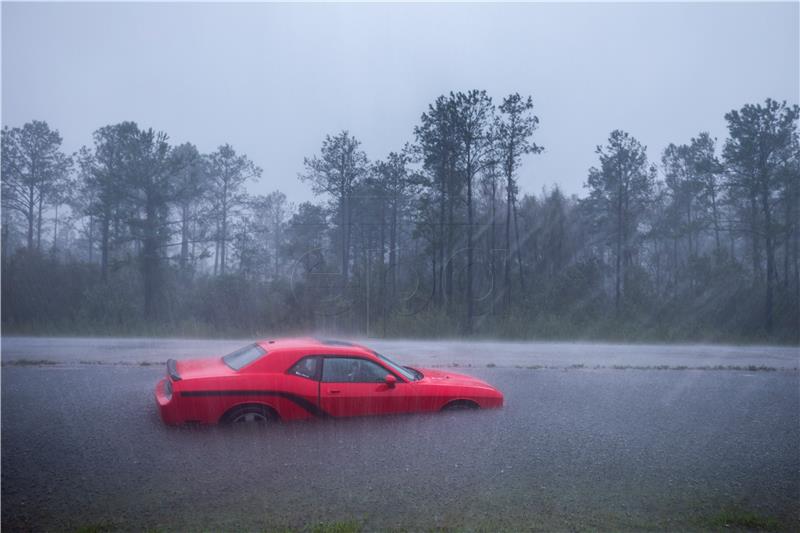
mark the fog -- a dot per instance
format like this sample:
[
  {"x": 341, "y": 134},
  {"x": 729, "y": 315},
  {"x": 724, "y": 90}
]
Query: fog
[{"x": 273, "y": 79}]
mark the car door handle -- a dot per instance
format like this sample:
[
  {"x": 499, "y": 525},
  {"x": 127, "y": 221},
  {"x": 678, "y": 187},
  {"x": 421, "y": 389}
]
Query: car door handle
[{"x": 334, "y": 391}]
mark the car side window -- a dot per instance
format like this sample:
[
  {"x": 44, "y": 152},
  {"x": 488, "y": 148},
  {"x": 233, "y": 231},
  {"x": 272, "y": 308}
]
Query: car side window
[
  {"x": 352, "y": 370},
  {"x": 307, "y": 367}
]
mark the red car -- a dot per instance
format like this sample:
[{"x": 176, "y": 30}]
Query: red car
[{"x": 293, "y": 379}]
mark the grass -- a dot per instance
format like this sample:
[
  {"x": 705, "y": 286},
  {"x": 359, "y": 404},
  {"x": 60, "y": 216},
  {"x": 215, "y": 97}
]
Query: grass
[
  {"x": 581, "y": 366},
  {"x": 742, "y": 520},
  {"x": 30, "y": 362},
  {"x": 347, "y": 526},
  {"x": 729, "y": 519},
  {"x": 99, "y": 527}
]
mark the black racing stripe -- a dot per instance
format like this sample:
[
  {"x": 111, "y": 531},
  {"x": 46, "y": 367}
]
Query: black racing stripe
[{"x": 302, "y": 402}]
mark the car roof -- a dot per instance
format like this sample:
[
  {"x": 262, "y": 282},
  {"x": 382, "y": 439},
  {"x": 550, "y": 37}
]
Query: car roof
[{"x": 313, "y": 344}]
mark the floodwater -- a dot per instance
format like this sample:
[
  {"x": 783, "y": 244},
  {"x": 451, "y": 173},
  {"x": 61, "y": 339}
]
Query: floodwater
[{"x": 584, "y": 441}]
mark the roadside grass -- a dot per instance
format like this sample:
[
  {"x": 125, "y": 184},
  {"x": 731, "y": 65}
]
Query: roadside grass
[
  {"x": 98, "y": 527},
  {"x": 729, "y": 519},
  {"x": 346, "y": 526},
  {"x": 736, "y": 519},
  {"x": 581, "y": 366},
  {"x": 30, "y": 362},
  {"x": 748, "y": 368},
  {"x": 48, "y": 362}
]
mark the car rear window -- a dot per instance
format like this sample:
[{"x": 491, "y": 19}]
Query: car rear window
[{"x": 244, "y": 356}]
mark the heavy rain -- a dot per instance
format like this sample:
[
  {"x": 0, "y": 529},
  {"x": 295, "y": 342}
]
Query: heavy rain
[{"x": 556, "y": 247}]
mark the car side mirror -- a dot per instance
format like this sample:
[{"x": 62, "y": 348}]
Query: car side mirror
[{"x": 390, "y": 380}]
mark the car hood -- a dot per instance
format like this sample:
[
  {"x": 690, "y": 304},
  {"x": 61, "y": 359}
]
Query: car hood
[
  {"x": 444, "y": 377},
  {"x": 203, "y": 368}
]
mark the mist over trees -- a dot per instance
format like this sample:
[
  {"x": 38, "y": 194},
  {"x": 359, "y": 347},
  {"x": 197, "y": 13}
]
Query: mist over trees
[{"x": 135, "y": 234}]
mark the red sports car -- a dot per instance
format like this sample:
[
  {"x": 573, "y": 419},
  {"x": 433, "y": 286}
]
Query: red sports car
[{"x": 291, "y": 379}]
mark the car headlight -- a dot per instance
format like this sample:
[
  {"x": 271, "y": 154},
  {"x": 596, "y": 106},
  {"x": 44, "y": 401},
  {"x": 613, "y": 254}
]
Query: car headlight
[{"x": 168, "y": 389}]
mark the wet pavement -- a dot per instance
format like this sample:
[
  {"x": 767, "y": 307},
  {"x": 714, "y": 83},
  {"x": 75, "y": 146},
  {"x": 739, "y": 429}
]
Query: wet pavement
[{"x": 424, "y": 352}]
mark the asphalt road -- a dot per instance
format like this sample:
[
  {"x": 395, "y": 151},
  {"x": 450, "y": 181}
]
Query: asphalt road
[
  {"x": 573, "y": 449},
  {"x": 422, "y": 352}
]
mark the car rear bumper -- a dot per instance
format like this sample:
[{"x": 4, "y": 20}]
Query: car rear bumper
[{"x": 167, "y": 406}]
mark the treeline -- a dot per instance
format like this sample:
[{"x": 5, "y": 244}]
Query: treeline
[{"x": 136, "y": 235}]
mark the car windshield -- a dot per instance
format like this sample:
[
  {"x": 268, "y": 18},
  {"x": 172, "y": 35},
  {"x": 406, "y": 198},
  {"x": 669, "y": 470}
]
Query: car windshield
[
  {"x": 244, "y": 356},
  {"x": 408, "y": 373}
]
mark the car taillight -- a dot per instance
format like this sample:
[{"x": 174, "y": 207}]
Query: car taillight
[{"x": 168, "y": 389}]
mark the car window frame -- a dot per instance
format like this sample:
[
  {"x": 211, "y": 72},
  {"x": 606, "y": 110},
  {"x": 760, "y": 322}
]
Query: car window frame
[
  {"x": 317, "y": 374},
  {"x": 264, "y": 353},
  {"x": 324, "y": 357}
]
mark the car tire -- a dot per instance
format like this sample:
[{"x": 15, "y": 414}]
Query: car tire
[
  {"x": 461, "y": 405},
  {"x": 250, "y": 415}
]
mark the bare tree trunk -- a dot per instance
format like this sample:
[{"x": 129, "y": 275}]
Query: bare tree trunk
[
  {"x": 216, "y": 252},
  {"x": 492, "y": 240},
  {"x": 690, "y": 231},
  {"x": 184, "y": 236},
  {"x": 384, "y": 307},
  {"x": 55, "y": 232},
  {"x": 469, "y": 250},
  {"x": 796, "y": 260},
  {"x": 29, "y": 215},
  {"x": 393, "y": 247},
  {"x": 715, "y": 215},
  {"x": 348, "y": 241},
  {"x": 618, "y": 266},
  {"x": 441, "y": 245},
  {"x": 39, "y": 223},
  {"x": 4, "y": 243},
  {"x": 91, "y": 239},
  {"x": 223, "y": 238},
  {"x": 150, "y": 262},
  {"x": 755, "y": 237},
  {"x": 790, "y": 226},
  {"x": 508, "y": 258},
  {"x": 194, "y": 232},
  {"x": 223, "y": 243},
  {"x": 519, "y": 248},
  {"x": 448, "y": 265},
  {"x": 104, "y": 252},
  {"x": 768, "y": 313}
]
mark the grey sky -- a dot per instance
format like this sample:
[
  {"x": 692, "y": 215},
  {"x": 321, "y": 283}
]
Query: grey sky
[{"x": 273, "y": 79}]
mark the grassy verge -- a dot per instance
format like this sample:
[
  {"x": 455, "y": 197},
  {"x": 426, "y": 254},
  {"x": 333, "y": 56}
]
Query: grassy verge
[{"x": 736, "y": 519}]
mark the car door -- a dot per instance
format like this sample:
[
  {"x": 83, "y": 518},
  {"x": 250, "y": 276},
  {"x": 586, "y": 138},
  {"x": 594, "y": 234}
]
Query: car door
[
  {"x": 355, "y": 386},
  {"x": 301, "y": 386}
]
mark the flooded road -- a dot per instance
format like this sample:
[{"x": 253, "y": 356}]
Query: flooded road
[{"x": 574, "y": 448}]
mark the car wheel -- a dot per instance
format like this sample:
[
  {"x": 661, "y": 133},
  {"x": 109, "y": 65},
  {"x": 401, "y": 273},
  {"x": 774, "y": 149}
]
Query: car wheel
[
  {"x": 250, "y": 415},
  {"x": 460, "y": 405}
]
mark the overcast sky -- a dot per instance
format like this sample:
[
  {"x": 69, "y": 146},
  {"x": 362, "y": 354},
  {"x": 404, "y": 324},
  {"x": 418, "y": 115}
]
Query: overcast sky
[{"x": 273, "y": 79}]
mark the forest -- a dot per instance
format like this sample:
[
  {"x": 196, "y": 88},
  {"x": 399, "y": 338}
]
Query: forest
[{"x": 134, "y": 235}]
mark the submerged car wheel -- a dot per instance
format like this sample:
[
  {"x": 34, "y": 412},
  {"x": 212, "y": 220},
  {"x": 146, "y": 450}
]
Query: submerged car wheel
[
  {"x": 460, "y": 405},
  {"x": 250, "y": 414}
]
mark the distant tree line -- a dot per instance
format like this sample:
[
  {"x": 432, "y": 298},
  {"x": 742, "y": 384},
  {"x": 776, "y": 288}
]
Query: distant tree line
[{"x": 137, "y": 235}]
